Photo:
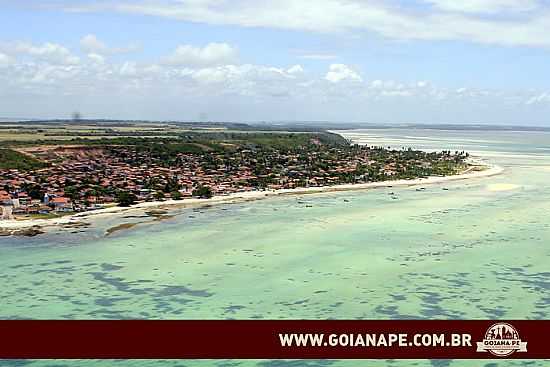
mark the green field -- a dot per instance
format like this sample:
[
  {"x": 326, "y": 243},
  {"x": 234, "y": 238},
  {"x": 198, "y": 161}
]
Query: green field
[{"x": 11, "y": 159}]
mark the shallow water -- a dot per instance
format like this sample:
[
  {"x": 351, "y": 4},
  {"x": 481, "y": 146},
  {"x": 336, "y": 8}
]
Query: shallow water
[{"x": 472, "y": 249}]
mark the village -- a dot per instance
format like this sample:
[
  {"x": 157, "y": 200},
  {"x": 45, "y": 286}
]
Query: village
[{"x": 80, "y": 178}]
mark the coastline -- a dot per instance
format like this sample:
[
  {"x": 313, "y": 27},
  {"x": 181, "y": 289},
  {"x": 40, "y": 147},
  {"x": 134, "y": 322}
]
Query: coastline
[{"x": 8, "y": 227}]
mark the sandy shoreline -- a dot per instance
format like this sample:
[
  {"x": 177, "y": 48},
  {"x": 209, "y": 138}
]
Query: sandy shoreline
[{"x": 16, "y": 225}]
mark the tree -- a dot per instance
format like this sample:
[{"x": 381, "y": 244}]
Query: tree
[
  {"x": 72, "y": 192},
  {"x": 176, "y": 195},
  {"x": 203, "y": 192},
  {"x": 171, "y": 185},
  {"x": 34, "y": 191},
  {"x": 125, "y": 198}
]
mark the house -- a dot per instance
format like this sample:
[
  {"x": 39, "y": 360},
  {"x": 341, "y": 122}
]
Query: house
[
  {"x": 61, "y": 204},
  {"x": 24, "y": 199},
  {"x": 32, "y": 209},
  {"x": 5, "y": 198}
]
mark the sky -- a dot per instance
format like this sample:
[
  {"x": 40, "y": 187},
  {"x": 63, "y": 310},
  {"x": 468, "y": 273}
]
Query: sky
[{"x": 373, "y": 61}]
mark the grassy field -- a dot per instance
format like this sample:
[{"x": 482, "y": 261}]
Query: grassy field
[
  {"x": 10, "y": 159},
  {"x": 181, "y": 137},
  {"x": 28, "y": 132},
  {"x": 61, "y": 130}
]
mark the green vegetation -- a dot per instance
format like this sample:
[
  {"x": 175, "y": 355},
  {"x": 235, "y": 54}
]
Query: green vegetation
[
  {"x": 176, "y": 195},
  {"x": 11, "y": 159},
  {"x": 197, "y": 142},
  {"x": 203, "y": 192},
  {"x": 33, "y": 190},
  {"x": 269, "y": 140},
  {"x": 125, "y": 198}
]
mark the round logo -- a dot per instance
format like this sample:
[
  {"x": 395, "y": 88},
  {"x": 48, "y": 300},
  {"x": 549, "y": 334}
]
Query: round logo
[{"x": 501, "y": 340}]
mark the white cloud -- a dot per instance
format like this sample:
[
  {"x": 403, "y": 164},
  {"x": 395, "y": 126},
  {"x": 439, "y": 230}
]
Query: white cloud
[
  {"x": 296, "y": 69},
  {"x": 91, "y": 44},
  {"x": 392, "y": 88},
  {"x": 542, "y": 98},
  {"x": 422, "y": 84},
  {"x": 377, "y": 84},
  {"x": 385, "y": 84},
  {"x": 49, "y": 52},
  {"x": 340, "y": 72},
  {"x": 5, "y": 60},
  {"x": 128, "y": 69},
  {"x": 484, "y": 6},
  {"x": 397, "y": 93},
  {"x": 210, "y": 55},
  {"x": 96, "y": 58},
  {"x": 212, "y": 75},
  {"x": 444, "y": 21},
  {"x": 246, "y": 80}
]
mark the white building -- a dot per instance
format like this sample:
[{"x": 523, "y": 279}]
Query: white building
[{"x": 6, "y": 212}]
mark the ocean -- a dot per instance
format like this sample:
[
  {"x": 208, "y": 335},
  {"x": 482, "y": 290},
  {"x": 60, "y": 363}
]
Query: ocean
[{"x": 472, "y": 249}]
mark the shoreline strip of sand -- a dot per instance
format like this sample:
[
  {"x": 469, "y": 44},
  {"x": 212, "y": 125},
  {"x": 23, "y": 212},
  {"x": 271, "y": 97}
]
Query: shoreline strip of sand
[{"x": 472, "y": 172}]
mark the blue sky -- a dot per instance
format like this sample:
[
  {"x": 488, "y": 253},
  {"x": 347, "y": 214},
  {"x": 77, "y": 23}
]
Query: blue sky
[{"x": 432, "y": 61}]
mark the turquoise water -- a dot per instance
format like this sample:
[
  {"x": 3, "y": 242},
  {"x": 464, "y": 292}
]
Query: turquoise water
[{"x": 473, "y": 249}]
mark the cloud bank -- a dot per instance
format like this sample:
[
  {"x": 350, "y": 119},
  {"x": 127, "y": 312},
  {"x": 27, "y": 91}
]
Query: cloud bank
[
  {"x": 499, "y": 22},
  {"x": 54, "y": 80}
]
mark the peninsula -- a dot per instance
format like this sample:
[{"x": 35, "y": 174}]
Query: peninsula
[{"x": 71, "y": 171}]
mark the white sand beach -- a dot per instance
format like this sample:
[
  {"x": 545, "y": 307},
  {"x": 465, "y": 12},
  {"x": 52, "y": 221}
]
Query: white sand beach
[{"x": 16, "y": 225}]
